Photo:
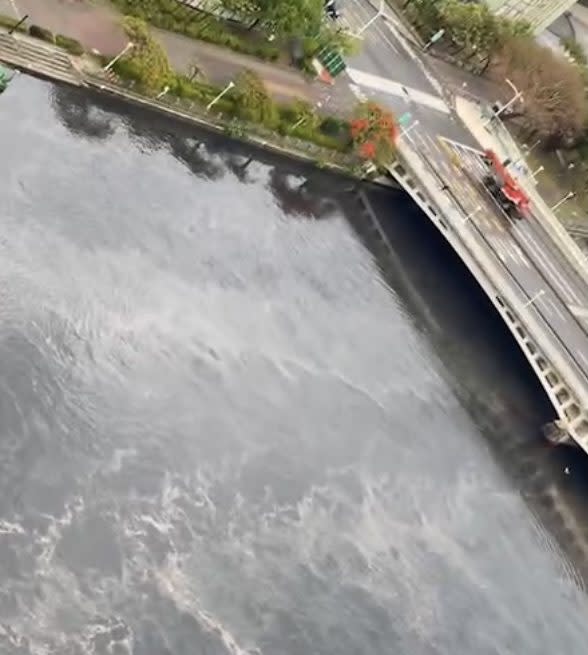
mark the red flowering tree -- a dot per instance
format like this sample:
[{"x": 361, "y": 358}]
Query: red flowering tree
[{"x": 374, "y": 132}]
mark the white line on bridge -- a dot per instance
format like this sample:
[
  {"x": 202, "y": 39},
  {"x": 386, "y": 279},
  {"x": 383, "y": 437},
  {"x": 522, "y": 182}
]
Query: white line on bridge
[
  {"x": 555, "y": 274},
  {"x": 557, "y": 310}
]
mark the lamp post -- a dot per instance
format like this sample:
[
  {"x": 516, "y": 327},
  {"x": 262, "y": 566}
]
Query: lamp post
[
  {"x": 534, "y": 298},
  {"x": 534, "y": 174},
  {"x": 472, "y": 214},
  {"x": 567, "y": 197},
  {"x": 162, "y": 93},
  {"x": 213, "y": 102},
  {"x": 517, "y": 95},
  {"x": 122, "y": 53}
]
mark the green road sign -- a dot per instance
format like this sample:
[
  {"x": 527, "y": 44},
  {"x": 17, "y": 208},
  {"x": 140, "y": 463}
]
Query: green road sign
[
  {"x": 405, "y": 119},
  {"x": 332, "y": 61}
]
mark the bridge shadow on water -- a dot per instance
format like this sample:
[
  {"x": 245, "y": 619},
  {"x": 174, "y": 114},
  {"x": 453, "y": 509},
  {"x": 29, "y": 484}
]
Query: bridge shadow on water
[
  {"x": 481, "y": 360},
  {"x": 483, "y": 364}
]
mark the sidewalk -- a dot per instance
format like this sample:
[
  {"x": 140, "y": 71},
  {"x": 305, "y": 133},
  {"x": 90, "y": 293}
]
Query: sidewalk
[{"x": 98, "y": 27}]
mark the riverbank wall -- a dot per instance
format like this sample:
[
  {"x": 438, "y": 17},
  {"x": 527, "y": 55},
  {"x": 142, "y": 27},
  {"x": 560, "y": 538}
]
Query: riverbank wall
[{"x": 52, "y": 63}]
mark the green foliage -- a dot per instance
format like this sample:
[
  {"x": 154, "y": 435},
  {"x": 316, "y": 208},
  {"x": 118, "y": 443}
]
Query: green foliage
[
  {"x": 169, "y": 15},
  {"x": 10, "y": 22},
  {"x": 374, "y": 132},
  {"x": 575, "y": 50},
  {"x": 73, "y": 46},
  {"x": 250, "y": 103},
  {"x": 299, "y": 112},
  {"x": 147, "y": 60},
  {"x": 41, "y": 33},
  {"x": 335, "y": 127},
  {"x": 253, "y": 101},
  {"x": 473, "y": 33},
  {"x": 291, "y": 18}
]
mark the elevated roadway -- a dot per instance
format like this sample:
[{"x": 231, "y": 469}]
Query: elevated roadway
[{"x": 526, "y": 272}]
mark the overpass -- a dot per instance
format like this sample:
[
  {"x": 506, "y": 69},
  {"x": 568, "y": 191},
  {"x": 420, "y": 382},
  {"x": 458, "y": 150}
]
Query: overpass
[
  {"x": 544, "y": 307},
  {"x": 531, "y": 270}
]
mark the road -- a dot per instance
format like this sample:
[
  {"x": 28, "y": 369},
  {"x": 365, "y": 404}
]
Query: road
[{"x": 389, "y": 71}]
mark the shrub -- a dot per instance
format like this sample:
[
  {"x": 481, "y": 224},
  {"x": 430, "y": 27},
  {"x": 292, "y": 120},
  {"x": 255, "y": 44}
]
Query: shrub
[
  {"x": 73, "y": 46},
  {"x": 10, "y": 22},
  {"x": 253, "y": 101},
  {"x": 319, "y": 139},
  {"x": 335, "y": 127},
  {"x": 167, "y": 15},
  {"x": 41, "y": 33},
  {"x": 148, "y": 60},
  {"x": 575, "y": 50}
]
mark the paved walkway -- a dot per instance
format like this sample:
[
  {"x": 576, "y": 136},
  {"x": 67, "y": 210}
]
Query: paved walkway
[{"x": 98, "y": 27}]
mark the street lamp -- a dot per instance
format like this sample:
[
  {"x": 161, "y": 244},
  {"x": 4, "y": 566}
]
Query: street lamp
[
  {"x": 213, "y": 102},
  {"x": 534, "y": 174},
  {"x": 163, "y": 92},
  {"x": 534, "y": 298},
  {"x": 567, "y": 197},
  {"x": 472, "y": 214},
  {"x": 122, "y": 53},
  {"x": 517, "y": 95}
]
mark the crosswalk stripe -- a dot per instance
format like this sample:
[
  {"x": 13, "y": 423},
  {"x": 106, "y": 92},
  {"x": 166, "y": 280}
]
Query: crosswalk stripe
[{"x": 390, "y": 87}]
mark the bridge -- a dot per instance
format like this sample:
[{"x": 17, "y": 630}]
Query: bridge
[
  {"x": 578, "y": 229},
  {"x": 541, "y": 296}
]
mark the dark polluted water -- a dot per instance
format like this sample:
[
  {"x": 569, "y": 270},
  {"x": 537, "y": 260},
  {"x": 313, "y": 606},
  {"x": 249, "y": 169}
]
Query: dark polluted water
[{"x": 230, "y": 424}]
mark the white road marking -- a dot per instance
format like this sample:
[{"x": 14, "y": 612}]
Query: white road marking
[
  {"x": 357, "y": 92},
  {"x": 556, "y": 309},
  {"x": 390, "y": 87},
  {"x": 554, "y": 273},
  {"x": 521, "y": 255},
  {"x": 583, "y": 357},
  {"x": 397, "y": 33},
  {"x": 541, "y": 299},
  {"x": 579, "y": 312},
  {"x": 461, "y": 146}
]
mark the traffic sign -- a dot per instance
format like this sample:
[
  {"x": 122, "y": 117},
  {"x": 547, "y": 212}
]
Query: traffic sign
[
  {"x": 332, "y": 61},
  {"x": 405, "y": 119}
]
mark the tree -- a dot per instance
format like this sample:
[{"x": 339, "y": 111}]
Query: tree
[
  {"x": 472, "y": 32},
  {"x": 374, "y": 132},
  {"x": 253, "y": 101},
  {"x": 554, "y": 107},
  {"x": 147, "y": 61},
  {"x": 281, "y": 18}
]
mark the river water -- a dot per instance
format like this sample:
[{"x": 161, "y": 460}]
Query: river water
[{"x": 231, "y": 424}]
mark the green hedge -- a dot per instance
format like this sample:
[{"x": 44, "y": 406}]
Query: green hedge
[
  {"x": 73, "y": 46},
  {"x": 41, "y": 33},
  {"x": 10, "y": 22},
  {"x": 168, "y": 15},
  {"x": 330, "y": 132}
]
